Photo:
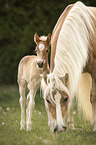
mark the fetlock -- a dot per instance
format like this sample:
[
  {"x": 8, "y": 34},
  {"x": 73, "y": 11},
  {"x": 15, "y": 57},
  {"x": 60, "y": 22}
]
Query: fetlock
[
  {"x": 22, "y": 125},
  {"x": 28, "y": 125}
]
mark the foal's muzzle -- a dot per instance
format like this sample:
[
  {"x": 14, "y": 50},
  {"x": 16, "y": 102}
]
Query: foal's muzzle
[{"x": 40, "y": 64}]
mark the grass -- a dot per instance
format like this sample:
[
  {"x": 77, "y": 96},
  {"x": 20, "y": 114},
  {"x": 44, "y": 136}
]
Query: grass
[{"x": 10, "y": 133}]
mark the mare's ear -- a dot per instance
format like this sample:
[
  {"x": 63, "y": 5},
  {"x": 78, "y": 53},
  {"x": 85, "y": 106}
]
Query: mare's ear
[
  {"x": 48, "y": 38},
  {"x": 65, "y": 79},
  {"x": 36, "y": 38}
]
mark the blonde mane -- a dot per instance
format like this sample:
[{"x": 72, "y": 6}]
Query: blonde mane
[{"x": 73, "y": 44}]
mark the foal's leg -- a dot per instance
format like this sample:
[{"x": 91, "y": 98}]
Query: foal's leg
[
  {"x": 93, "y": 102},
  {"x": 70, "y": 120},
  {"x": 30, "y": 107},
  {"x": 27, "y": 109},
  {"x": 22, "y": 104}
]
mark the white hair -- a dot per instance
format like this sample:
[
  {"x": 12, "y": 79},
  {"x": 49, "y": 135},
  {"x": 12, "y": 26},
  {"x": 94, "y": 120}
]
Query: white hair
[
  {"x": 73, "y": 44},
  {"x": 53, "y": 83},
  {"x": 72, "y": 48},
  {"x": 43, "y": 38}
]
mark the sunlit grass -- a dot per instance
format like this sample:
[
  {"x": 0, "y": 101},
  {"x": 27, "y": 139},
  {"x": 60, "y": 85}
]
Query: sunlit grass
[{"x": 40, "y": 134}]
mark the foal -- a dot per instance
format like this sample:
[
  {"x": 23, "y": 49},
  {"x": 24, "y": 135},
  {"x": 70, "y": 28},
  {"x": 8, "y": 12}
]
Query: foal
[{"x": 29, "y": 71}]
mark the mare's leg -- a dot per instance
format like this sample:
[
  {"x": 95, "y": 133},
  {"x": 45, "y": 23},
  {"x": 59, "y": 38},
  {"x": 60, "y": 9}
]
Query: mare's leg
[
  {"x": 70, "y": 120},
  {"x": 30, "y": 107},
  {"x": 22, "y": 89},
  {"x": 93, "y": 102}
]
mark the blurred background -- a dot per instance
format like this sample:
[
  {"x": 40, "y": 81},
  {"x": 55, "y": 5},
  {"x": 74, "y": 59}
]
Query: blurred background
[{"x": 19, "y": 21}]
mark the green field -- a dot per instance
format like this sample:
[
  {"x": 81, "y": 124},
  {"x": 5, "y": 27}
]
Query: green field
[{"x": 10, "y": 133}]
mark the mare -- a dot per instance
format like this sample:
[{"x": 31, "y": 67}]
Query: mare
[
  {"x": 29, "y": 75},
  {"x": 73, "y": 51}
]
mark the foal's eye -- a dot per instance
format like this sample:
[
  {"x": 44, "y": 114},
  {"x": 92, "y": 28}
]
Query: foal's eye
[{"x": 47, "y": 50}]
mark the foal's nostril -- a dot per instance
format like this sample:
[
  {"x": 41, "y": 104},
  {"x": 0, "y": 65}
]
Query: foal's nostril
[{"x": 41, "y": 63}]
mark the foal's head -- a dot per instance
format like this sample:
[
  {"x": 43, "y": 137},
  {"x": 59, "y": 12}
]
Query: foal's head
[
  {"x": 42, "y": 49},
  {"x": 56, "y": 96}
]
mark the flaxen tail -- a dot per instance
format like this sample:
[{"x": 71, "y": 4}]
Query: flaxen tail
[{"x": 83, "y": 95}]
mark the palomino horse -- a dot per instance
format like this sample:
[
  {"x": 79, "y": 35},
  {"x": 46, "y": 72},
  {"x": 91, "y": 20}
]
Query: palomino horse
[
  {"x": 73, "y": 50},
  {"x": 29, "y": 71}
]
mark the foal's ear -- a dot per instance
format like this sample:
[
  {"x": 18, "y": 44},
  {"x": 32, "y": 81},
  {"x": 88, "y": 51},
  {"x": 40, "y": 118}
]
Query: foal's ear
[
  {"x": 48, "y": 38},
  {"x": 36, "y": 38},
  {"x": 65, "y": 79}
]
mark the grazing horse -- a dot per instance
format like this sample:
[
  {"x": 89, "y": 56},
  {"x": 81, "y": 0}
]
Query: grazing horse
[
  {"x": 73, "y": 51},
  {"x": 29, "y": 71}
]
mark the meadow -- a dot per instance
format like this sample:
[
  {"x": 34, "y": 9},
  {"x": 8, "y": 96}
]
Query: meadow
[{"x": 10, "y": 133}]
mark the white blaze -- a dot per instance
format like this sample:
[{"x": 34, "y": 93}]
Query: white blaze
[
  {"x": 41, "y": 47},
  {"x": 58, "y": 111}
]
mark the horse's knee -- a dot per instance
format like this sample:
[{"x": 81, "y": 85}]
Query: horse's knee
[
  {"x": 28, "y": 99},
  {"x": 22, "y": 100},
  {"x": 31, "y": 105},
  {"x": 22, "y": 83}
]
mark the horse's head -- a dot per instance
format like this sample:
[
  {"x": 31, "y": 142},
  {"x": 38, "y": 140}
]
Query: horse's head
[
  {"x": 56, "y": 95},
  {"x": 42, "y": 49}
]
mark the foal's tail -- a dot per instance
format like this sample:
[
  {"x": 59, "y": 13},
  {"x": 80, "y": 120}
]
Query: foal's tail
[{"x": 83, "y": 95}]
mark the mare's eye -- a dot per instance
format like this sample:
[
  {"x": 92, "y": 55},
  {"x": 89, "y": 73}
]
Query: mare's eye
[
  {"x": 66, "y": 99},
  {"x": 48, "y": 101},
  {"x": 47, "y": 50}
]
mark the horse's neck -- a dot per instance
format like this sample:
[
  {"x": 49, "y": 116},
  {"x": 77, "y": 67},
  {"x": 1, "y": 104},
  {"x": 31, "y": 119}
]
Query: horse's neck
[{"x": 46, "y": 67}]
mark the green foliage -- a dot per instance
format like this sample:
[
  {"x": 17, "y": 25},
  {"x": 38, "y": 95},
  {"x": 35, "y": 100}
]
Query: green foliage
[{"x": 19, "y": 21}]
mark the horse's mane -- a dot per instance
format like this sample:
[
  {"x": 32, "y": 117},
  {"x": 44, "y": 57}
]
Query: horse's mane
[
  {"x": 73, "y": 43},
  {"x": 52, "y": 80}
]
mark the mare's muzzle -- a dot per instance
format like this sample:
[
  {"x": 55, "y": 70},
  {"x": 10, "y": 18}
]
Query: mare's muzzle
[
  {"x": 56, "y": 129},
  {"x": 40, "y": 63}
]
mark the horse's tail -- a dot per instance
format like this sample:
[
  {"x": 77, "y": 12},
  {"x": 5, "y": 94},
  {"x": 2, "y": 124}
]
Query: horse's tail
[{"x": 83, "y": 96}]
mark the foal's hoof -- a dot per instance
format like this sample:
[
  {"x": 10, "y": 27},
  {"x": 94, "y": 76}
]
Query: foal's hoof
[
  {"x": 22, "y": 127},
  {"x": 28, "y": 128}
]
